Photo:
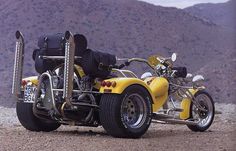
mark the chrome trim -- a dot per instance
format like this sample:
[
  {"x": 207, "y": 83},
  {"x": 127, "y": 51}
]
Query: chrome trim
[
  {"x": 57, "y": 57},
  {"x": 125, "y": 73},
  {"x": 18, "y": 65}
]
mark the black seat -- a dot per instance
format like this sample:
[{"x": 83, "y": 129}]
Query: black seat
[{"x": 94, "y": 63}]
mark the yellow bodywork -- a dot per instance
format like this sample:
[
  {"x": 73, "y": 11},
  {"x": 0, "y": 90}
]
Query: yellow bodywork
[
  {"x": 33, "y": 79},
  {"x": 185, "y": 105},
  {"x": 80, "y": 70},
  {"x": 156, "y": 86}
]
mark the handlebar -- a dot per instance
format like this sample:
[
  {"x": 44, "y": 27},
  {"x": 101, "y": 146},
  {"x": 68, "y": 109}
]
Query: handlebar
[
  {"x": 128, "y": 61},
  {"x": 140, "y": 60}
]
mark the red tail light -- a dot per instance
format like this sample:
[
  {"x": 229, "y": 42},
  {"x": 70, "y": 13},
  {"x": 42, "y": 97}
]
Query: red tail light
[
  {"x": 23, "y": 82},
  {"x": 108, "y": 83},
  {"x": 103, "y": 84}
]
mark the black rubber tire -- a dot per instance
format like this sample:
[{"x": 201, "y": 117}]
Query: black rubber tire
[
  {"x": 29, "y": 121},
  {"x": 198, "y": 128},
  {"x": 110, "y": 113}
]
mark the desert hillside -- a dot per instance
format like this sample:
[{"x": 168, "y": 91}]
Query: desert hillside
[
  {"x": 223, "y": 14},
  {"x": 126, "y": 28}
]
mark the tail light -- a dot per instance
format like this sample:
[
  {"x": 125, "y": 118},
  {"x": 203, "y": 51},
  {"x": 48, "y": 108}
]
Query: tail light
[
  {"x": 24, "y": 82},
  {"x": 113, "y": 84},
  {"x": 108, "y": 84}
]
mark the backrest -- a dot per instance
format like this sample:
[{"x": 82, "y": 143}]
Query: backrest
[
  {"x": 80, "y": 44},
  {"x": 52, "y": 45}
]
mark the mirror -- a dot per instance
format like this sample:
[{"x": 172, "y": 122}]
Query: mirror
[
  {"x": 197, "y": 78},
  {"x": 189, "y": 75},
  {"x": 174, "y": 57}
]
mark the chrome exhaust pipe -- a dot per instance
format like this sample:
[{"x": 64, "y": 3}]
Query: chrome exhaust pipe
[
  {"x": 69, "y": 67},
  {"x": 18, "y": 65}
]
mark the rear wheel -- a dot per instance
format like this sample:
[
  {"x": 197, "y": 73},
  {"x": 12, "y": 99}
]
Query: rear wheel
[
  {"x": 204, "y": 118},
  {"x": 29, "y": 121},
  {"x": 128, "y": 114}
]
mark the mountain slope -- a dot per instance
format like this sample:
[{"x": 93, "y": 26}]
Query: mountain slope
[
  {"x": 127, "y": 28},
  {"x": 223, "y": 14}
]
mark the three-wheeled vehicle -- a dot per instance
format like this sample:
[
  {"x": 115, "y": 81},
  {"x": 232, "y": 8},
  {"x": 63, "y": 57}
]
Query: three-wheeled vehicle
[{"x": 81, "y": 87}]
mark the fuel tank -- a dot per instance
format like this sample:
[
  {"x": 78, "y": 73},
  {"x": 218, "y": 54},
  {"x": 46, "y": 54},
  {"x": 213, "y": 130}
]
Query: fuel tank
[{"x": 159, "y": 87}]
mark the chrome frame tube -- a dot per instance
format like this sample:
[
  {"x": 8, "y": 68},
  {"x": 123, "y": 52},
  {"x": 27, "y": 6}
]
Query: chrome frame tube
[
  {"x": 124, "y": 72},
  {"x": 18, "y": 65},
  {"x": 175, "y": 121},
  {"x": 57, "y": 57},
  {"x": 41, "y": 78}
]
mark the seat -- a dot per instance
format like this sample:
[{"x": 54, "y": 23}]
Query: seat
[{"x": 94, "y": 63}]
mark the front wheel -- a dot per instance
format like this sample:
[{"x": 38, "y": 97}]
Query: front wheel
[
  {"x": 127, "y": 115},
  {"x": 204, "y": 118}
]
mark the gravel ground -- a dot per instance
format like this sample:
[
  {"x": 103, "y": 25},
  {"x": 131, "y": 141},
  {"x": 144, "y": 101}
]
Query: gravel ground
[{"x": 221, "y": 136}]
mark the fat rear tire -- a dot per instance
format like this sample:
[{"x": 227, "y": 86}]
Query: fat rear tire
[
  {"x": 114, "y": 112},
  {"x": 29, "y": 121},
  {"x": 208, "y": 104}
]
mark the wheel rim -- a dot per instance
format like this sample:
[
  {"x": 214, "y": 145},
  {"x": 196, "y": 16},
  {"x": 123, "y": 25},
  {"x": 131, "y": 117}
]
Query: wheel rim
[
  {"x": 134, "y": 111},
  {"x": 204, "y": 117}
]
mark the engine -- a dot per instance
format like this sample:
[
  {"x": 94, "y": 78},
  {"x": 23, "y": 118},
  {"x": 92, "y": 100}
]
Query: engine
[{"x": 51, "y": 102}]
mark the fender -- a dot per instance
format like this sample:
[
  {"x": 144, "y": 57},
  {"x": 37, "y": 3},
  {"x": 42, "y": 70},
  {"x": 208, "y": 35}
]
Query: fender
[
  {"x": 185, "y": 105},
  {"x": 33, "y": 79},
  {"x": 158, "y": 99}
]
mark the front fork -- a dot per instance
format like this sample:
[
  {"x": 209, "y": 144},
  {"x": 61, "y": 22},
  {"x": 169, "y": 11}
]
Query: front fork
[{"x": 193, "y": 99}]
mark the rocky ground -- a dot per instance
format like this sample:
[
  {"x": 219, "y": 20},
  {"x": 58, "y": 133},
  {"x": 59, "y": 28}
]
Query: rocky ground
[{"x": 221, "y": 136}]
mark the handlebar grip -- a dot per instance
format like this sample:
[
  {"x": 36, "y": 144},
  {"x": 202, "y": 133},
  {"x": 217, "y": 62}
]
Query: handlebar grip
[
  {"x": 180, "y": 72},
  {"x": 127, "y": 63},
  {"x": 121, "y": 66}
]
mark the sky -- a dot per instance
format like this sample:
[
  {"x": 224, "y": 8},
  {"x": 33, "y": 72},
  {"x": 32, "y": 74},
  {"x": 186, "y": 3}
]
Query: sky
[{"x": 181, "y": 3}]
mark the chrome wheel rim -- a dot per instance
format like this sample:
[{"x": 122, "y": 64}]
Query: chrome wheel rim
[
  {"x": 203, "y": 117},
  {"x": 133, "y": 110}
]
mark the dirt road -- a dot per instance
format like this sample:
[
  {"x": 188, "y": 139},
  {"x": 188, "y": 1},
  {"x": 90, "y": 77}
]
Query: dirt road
[{"x": 221, "y": 136}]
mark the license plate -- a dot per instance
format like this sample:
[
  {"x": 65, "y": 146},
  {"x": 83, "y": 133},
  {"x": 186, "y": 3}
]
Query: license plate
[{"x": 29, "y": 94}]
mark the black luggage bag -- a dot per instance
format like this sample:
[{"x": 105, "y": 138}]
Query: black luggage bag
[{"x": 94, "y": 63}]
